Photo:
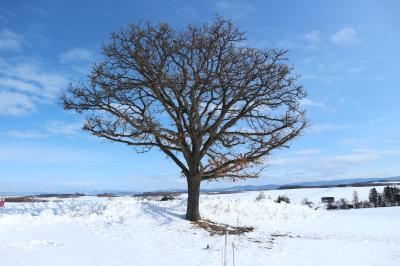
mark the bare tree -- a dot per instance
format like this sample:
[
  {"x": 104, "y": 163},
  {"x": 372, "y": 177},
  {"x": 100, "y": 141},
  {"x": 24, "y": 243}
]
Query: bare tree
[
  {"x": 356, "y": 199},
  {"x": 214, "y": 106}
]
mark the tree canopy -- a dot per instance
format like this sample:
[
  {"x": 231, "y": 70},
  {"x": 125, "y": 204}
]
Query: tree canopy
[{"x": 213, "y": 105}]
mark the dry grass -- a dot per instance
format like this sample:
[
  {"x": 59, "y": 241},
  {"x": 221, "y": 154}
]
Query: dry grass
[{"x": 221, "y": 229}]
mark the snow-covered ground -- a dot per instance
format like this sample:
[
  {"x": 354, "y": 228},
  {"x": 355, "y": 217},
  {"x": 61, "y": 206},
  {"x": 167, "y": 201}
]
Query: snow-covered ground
[{"x": 130, "y": 231}]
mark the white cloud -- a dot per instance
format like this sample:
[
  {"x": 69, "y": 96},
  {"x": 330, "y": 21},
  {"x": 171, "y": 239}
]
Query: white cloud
[
  {"x": 257, "y": 43},
  {"x": 15, "y": 104},
  {"x": 368, "y": 141},
  {"x": 317, "y": 128},
  {"x": 51, "y": 128},
  {"x": 308, "y": 152},
  {"x": 42, "y": 155},
  {"x": 313, "y": 37},
  {"x": 9, "y": 40},
  {"x": 222, "y": 4},
  {"x": 19, "y": 85},
  {"x": 309, "y": 102},
  {"x": 25, "y": 134},
  {"x": 77, "y": 54},
  {"x": 236, "y": 9},
  {"x": 355, "y": 69},
  {"x": 27, "y": 84},
  {"x": 309, "y": 76},
  {"x": 62, "y": 128},
  {"x": 317, "y": 166},
  {"x": 189, "y": 11},
  {"x": 360, "y": 156},
  {"x": 306, "y": 102},
  {"x": 309, "y": 60},
  {"x": 354, "y": 158},
  {"x": 345, "y": 36},
  {"x": 313, "y": 157},
  {"x": 48, "y": 84}
]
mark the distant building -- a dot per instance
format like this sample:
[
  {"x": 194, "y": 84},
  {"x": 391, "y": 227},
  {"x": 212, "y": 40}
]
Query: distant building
[
  {"x": 329, "y": 203},
  {"x": 328, "y": 200}
]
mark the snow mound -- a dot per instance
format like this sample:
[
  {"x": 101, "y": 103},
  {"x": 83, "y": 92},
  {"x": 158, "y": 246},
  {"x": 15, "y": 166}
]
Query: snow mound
[
  {"x": 222, "y": 209},
  {"x": 249, "y": 211},
  {"x": 86, "y": 209}
]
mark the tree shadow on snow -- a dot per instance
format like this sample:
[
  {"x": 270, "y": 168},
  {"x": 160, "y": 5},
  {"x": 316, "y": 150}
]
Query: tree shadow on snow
[{"x": 162, "y": 214}]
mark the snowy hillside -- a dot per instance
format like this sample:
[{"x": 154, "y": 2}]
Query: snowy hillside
[{"x": 130, "y": 231}]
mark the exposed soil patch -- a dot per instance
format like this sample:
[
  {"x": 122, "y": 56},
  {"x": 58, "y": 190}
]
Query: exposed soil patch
[
  {"x": 221, "y": 229},
  {"x": 283, "y": 235}
]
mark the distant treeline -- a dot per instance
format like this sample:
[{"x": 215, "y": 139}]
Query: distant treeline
[
  {"x": 359, "y": 184},
  {"x": 390, "y": 196}
]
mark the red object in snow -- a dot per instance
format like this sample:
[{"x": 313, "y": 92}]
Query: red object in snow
[{"x": 1, "y": 203}]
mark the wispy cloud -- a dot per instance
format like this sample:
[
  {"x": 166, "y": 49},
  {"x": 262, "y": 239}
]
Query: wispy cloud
[
  {"x": 236, "y": 9},
  {"x": 77, "y": 54},
  {"x": 307, "y": 102},
  {"x": 15, "y": 104},
  {"x": 43, "y": 155},
  {"x": 18, "y": 85},
  {"x": 28, "y": 134},
  {"x": 24, "y": 84},
  {"x": 368, "y": 141},
  {"x": 50, "y": 129},
  {"x": 189, "y": 11},
  {"x": 10, "y": 40},
  {"x": 358, "y": 156},
  {"x": 62, "y": 128},
  {"x": 319, "y": 166},
  {"x": 48, "y": 83},
  {"x": 318, "y": 128},
  {"x": 308, "y": 152},
  {"x": 313, "y": 37},
  {"x": 345, "y": 36},
  {"x": 355, "y": 69}
]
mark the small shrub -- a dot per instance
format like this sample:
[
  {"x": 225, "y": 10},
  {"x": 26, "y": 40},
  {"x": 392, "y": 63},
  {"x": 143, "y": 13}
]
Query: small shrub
[
  {"x": 366, "y": 204},
  {"x": 260, "y": 196},
  {"x": 282, "y": 199},
  {"x": 343, "y": 204},
  {"x": 305, "y": 201},
  {"x": 167, "y": 197},
  {"x": 331, "y": 206}
]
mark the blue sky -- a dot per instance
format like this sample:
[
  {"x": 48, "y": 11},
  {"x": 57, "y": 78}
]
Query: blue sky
[{"x": 345, "y": 51}]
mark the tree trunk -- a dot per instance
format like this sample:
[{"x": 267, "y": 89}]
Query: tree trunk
[{"x": 192, "y": 211}]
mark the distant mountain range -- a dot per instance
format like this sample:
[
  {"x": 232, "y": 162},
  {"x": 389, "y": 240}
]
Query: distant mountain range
[
  {"x": 312, "y": 184},
  {"x": 348, "y": 181}
]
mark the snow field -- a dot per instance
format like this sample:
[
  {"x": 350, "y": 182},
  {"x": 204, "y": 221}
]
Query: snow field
[{"x": 130, "y": 231}]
